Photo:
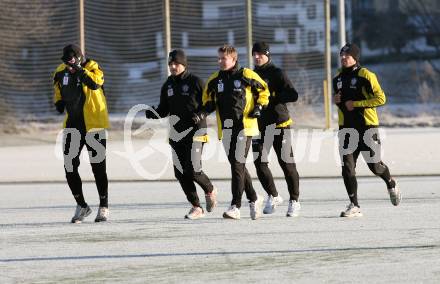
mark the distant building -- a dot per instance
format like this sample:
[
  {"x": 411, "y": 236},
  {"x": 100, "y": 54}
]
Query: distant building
[{"x": 292, "y": 28}]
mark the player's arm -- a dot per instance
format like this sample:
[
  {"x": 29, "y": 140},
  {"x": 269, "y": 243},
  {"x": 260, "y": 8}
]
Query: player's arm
[
  {"x": 208, "y": 100},
  {"x": 287, "y": 93},
  {"x": 198, "y": 93},
  {"x": 57, "y": 100},
  {"x": 162, "y": 109},
  {"x": 373, "y": 91},
  {"x": 92, "y": 76},
  {"x": 258, "y": 86},
  {"x": 209, "y": 93}
]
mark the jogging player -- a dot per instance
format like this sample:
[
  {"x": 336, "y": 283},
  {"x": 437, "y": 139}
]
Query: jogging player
[
  {"x": 78, "y": 90},
  {"x": 230, "y": 91},
  {"x": 181, "y": 97},
  {"x": 279, "y": 135},
  {"x": 357, "y": 94}
]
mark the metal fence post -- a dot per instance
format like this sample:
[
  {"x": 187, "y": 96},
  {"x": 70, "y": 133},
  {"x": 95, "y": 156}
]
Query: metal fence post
[
  {"x": 328, "y": 67},
  {"x": 81, "y": 26},
  {"x": 249, "y": 33},
  {"x": 167, "y": 32},
  {"x": 341, "y": 23}
]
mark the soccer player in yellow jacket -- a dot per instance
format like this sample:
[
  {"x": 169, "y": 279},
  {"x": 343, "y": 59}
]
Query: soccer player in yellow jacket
[
  {"x": 237, "y": 95},
  {"x": 78, "y": 91},
  {"x": 357, "y": 94}
]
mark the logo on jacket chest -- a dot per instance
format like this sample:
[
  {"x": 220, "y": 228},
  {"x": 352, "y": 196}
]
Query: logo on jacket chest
[
  {"x": 67, "y": 78},
  {"x": 185, "y": 89},
  {"x": 339, "y": 84},
  {"x": 220, "y": 86},
  {"x": 353, "y": 83},
  {"x": 170, "y": 91},
  {"x": 237, "y": 85}
]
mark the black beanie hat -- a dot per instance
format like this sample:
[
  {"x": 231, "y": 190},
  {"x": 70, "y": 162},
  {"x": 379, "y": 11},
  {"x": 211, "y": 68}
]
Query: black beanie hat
[
  {"x": 261, "y": 47},
  {"x": 70, "y": 51},
  {"x": 178, "y": 56},
  {"x": 353, "y": 50}
]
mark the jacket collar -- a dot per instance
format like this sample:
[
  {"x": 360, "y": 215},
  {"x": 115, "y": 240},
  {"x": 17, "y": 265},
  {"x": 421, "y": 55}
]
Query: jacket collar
[
  {"x": 263, "y": 67},
  {"x": 231, "y": 71},
  {"x": 181, "y": 76},
  {"x": 350, "y": 69}
]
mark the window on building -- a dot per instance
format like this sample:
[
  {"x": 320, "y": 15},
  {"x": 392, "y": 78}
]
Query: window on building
[
  {"x": 333, "y": 10},
  {"x": 334, "y": 38},
  {"x": 292, "y": 36},
  {"x": 280, "y": 35},
  {"x": 232, "y": 12},
  {"x": 276, "y": 6},
  {"x": 312, "y": 38},
  {"x": 311, "y": 12}
]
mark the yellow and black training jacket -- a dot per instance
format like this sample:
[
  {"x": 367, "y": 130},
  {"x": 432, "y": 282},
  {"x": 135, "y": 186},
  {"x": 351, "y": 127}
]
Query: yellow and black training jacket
[
  {"x": 232, "y": 94},
  {"x": 81, "y": 94},
  {"x": 361, "y": 86}
]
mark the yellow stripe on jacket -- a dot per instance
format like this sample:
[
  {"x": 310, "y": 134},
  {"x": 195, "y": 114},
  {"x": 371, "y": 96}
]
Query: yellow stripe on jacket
[
  {"x": 95, "y": 105},
  {"x": 374, "y": 97}
]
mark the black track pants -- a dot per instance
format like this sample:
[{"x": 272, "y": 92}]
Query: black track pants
[
  {"x": 95, "y": 143},
  {"x": 187, "y": 160},
  {"x": 282, "y": 144}
]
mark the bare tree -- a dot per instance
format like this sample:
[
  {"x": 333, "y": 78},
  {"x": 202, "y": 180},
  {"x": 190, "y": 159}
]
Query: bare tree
[{"x": 428, "y": 25}]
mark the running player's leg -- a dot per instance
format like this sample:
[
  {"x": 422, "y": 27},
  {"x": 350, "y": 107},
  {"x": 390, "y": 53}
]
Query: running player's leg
[
  {"x": 181, "y": 158},
  {"x": 264, "y": 174},
  {"x": 197, "y": 173},
  {"x": 72, "y": 175},
  {"x": 371, "y": 149},
  {"x": 284, "y": 151}
]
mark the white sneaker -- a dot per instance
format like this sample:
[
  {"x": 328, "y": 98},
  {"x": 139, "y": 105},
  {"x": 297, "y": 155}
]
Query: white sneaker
[
  {"x": 351, "y": 211},
  {"x": 272, "y": 203},
  {"x": 395, "y": 195},
  {"x": 256, "y": 207},
  {"x": 195, "y": 213},
  {"x": 232, "y": 213},
  {"x": 80, "y": 214},
  {"x": 102, "y": 215},
  {"x": 211, "y": 200},
  {"x": 293, "y": 208}
]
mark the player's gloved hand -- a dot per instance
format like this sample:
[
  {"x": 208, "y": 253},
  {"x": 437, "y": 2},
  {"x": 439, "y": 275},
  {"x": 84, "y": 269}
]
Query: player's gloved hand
[
  {"x": 75, "y": 63},
  {"x": 149, "y": 114},
  {"x": 256, "y": 112},
  {"x": 198, "y": 117},
  {"x": 59, "y": 105}
]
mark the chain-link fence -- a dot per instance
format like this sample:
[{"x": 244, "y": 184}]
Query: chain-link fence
[{"x": 127, "y": 39}]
